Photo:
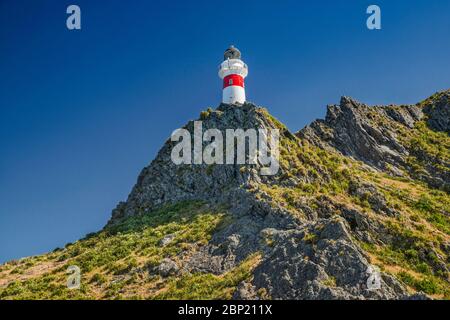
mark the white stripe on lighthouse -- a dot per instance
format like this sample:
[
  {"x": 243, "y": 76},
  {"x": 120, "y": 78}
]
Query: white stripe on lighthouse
[
  {"x": 233, "y": 94},
  {"x": 233, "y": 72}
]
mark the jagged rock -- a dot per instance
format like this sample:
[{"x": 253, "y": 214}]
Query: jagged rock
[
  {"x": 417, "y": 296},
  {"x": 406, "y": 115},
  {"x": 349, "y": 128},
  {"x": 371, "y": 135},
  {"x": 167, "y": 267},
  {"x": 375, "y": 199},
  {"x": 438, "y": 111},
  {"x": 313, "y": 255},
  {"x": 164, "y": 182},
  {"x": 329, "y": 266},
  {"x": 166, "y": 240}
]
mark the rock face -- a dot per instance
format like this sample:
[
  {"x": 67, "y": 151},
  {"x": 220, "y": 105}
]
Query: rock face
[
  {"x": 164, "y": 182},
  {"x": 377, "y": 136},
  {"x": 311, "y": 247},
  {"x": 329, "y": 267},
  {"x": 359, "y": 208},
  {"x": 167, "y": 268}
]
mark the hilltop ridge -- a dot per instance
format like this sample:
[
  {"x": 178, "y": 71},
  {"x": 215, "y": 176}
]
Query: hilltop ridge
[{"x": 365, "y": 188}]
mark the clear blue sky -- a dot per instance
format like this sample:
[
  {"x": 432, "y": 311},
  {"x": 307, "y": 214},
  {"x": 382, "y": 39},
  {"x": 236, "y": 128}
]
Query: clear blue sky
[{"x": 82, "y": 112}]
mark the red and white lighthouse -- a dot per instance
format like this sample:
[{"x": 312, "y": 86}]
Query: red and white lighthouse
[{"x": 233, "y": 72}]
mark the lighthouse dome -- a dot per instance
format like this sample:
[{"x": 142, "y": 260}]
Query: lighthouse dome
[{"x": 232, "y": 53}]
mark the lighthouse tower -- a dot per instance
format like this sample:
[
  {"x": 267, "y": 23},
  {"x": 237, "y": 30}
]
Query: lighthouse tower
[{"x": 233, "y": 71}]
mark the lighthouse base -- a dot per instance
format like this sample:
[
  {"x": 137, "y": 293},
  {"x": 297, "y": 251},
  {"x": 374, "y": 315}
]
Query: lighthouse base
[{"x": 233, "y": 94}]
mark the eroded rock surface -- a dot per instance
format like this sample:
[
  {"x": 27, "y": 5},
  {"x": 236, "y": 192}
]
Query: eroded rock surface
[{"x": 310, "y": 250}]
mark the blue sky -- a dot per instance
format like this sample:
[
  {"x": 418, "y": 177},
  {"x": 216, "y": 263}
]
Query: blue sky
[{"x": 82, "y": 112}]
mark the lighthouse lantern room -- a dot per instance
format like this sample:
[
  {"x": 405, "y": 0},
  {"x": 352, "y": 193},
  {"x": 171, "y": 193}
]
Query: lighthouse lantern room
[{"x": 233, "y": 72}]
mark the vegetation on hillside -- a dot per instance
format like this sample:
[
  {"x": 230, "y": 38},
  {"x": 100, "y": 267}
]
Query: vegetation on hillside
[
  {"x": 415, "y": 236},
  {"x": 117, "y": 263},
  {"x": 408, "y": 232}
]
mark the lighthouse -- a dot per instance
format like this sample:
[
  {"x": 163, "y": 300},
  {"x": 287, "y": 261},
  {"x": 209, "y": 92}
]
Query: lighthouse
[{"x": 233, "y": 72}]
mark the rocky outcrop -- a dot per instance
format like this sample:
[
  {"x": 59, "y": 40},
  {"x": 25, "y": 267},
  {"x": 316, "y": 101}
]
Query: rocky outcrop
[
  {"x": 438, "y": 110},
  {"x": 378, "y": 136},
  {"x": 314, "y": 255},
  {"x": 164, "y": 182},
  {"x": 314, "y": 230},
  {"x": 321, "y": 261},
  {"x": 364, "y": 133},
  {"x": 167, "y": 268}
]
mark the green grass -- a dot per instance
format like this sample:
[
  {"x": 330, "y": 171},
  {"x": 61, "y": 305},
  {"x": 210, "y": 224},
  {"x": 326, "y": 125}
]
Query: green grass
[
  {"x": 429, "y": 150},
  {"x": 428, "y": 284},
  {"x": 118, "y": 250},
  {"x": 203, "y": 286}
]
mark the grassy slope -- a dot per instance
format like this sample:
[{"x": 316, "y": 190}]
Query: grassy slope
[
  {"x": 425, "y": 213},
  {"x": 114, "y": 262}
]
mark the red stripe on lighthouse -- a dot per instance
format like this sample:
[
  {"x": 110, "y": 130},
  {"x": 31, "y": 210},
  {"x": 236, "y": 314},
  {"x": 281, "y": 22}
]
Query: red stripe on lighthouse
[{"x": 233, "y": 80}]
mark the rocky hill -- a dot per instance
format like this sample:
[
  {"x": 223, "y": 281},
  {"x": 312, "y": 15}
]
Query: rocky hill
[{"x": 366, "y": 188}]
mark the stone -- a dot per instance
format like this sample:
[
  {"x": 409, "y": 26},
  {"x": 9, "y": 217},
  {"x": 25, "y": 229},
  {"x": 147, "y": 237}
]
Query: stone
[{"x": 167, "y": 268}]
